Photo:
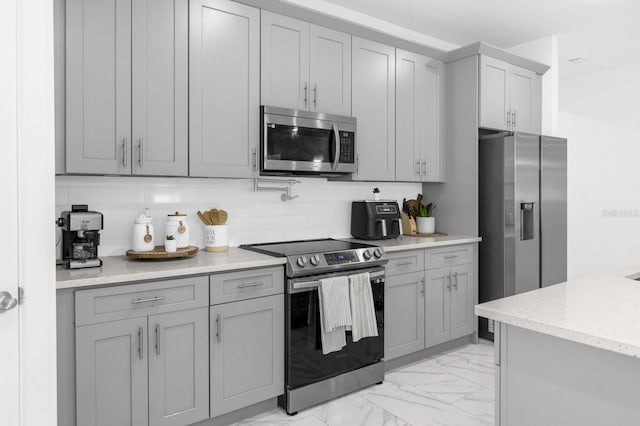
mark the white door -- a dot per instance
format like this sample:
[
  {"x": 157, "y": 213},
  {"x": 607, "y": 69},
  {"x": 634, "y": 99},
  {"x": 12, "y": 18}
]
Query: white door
[{"x": 9, "y": 390}]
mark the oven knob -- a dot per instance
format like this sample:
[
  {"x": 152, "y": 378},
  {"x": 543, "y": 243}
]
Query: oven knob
[
  {"x": 314, "y": 260},
  {"x": 302, "y": 261},
  {"x": 378, "y": 253},
  {"x": 366, "y": 254}
]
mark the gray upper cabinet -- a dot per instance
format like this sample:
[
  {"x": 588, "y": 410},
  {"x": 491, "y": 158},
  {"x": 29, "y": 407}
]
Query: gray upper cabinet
[
  {"x": 373, "y": 104},
  {"x": 510, "y": 97},
  {"x": 178, "y": 345},
  {"x": 420, "y": 151},
  {"x": 98, "y": 87},
  {"x": 247, "y": 353},
  {"x": 126, "y": 87},
  {"x": 160, "y": 51},
  {"x": 404, "y": 300},
  {"x": 304, "y": 66},
  {"x": 224, "y": 78},
  {"x": 111, "y": 373}
]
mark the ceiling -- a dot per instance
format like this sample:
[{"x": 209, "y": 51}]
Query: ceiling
[{"x": 599, "y": 30}]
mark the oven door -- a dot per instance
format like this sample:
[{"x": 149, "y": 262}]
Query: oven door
[
  {"x": 305, "y": 363},
  {"x": 306, "y": 143}
]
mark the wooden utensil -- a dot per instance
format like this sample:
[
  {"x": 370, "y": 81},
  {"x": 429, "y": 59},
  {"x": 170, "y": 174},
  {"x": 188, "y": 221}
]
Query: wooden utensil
[
  {"x": 222, "y": 217},
  {"x": 203, "y": 217},
  {"x": 213, "y": 216}
]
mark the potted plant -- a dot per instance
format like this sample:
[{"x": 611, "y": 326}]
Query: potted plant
[
  {"x": 170, "y": 244},
  {"x": 376, "y": 193},
  {"x": 425, "y": 221}
]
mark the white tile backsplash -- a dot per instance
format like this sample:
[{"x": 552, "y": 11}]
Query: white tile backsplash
[{"x": 323, "y": 208}]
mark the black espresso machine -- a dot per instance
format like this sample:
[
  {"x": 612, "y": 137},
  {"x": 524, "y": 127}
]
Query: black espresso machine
[
  {"x": 375, "y": 219},
  {"x": 80, "y": 237}
]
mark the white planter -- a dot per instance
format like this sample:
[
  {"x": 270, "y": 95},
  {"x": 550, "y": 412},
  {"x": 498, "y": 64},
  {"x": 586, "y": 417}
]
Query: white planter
[
  {"x": 426, "y": 225},
  {"x": 170, "y": 246}
]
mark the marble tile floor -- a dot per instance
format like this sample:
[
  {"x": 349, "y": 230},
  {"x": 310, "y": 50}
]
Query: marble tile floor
[{"x": 454, "y": 388}]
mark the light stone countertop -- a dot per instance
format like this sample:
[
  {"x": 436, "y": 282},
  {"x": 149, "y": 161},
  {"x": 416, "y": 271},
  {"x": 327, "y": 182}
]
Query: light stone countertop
[
  {"x": 405, "y": 242},
  {"x": 119, "y": 269},
  {"x": 601, "y": 311}
]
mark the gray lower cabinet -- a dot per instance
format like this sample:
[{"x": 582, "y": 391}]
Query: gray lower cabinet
[
  {"x": 111, "y": 373},
  {"x": 178, "y": 367},
  {"x": 247, "y": 352},
  {"x": 404, "y": 314}
]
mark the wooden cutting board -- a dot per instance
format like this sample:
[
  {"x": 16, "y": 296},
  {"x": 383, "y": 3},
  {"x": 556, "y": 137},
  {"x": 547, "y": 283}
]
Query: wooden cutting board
[
  {"x": 158, "y": 253},
  {"x": 435, "y": 234}
]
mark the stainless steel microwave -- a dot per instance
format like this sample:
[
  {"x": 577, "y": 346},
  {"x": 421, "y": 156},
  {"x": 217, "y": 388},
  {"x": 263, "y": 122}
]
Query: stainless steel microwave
[{"x": 306, "y": 143}]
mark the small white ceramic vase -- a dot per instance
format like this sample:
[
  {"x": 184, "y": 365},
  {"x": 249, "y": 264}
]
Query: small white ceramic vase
[
  {"x": 170, "y": 246},
  {"x": 426, "y": 225}
]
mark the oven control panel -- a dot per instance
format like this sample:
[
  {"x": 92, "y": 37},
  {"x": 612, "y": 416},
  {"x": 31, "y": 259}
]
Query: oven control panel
[{"x": 337, "y": 258}]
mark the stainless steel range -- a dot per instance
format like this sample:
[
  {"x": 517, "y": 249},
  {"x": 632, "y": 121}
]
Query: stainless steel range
[{"x": 310, "y": 376}]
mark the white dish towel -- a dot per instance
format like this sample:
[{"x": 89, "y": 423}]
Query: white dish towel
[
  {"x": 335, "y": 312},
  {"x": 363, "y": 313}
]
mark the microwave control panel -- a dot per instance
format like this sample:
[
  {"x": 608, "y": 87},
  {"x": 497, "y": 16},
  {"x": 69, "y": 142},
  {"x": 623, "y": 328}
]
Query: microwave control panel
[{"x": 347, "y": 147}]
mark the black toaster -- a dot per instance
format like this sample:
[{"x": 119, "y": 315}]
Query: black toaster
[{"x": 375, "y": 220}]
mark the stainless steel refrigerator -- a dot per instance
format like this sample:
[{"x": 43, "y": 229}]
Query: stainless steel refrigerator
[{"x": 523, "y": 215}]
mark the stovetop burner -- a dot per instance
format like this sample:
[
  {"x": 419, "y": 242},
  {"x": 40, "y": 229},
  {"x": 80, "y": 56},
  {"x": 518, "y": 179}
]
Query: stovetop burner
[{"x": 307, "y": 257}]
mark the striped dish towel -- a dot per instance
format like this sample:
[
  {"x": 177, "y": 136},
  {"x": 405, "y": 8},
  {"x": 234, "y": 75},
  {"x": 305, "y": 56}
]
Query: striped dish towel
[
  {"x": 335, "y": 312},
  {"x": 363, "y": 313}
]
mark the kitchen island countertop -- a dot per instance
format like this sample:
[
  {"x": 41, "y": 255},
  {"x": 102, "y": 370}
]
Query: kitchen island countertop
[
  {"x": 602, "y": 311},
  {"x": 407, "y": 242}
]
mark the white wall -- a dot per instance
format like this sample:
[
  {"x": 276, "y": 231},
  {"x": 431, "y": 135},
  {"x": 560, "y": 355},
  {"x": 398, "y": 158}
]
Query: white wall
[
  {"x": 600, "y": 116},
  {"x": 322, "y": 210},
  {"x": 545, "y": 50}
]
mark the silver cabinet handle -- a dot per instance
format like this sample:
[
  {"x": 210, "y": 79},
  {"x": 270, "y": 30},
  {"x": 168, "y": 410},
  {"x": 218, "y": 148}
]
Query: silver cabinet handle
[
  {"x": 255, "y": 284},
  {"x": 150, "y": 299},
  {"x": 449, "y": 280},
  {"x": 422, "y": 281},
  {"x": 124, "y": 152},
  {"x": 158, "y": 339},
  {"x": 508, "y": 119},
  {"x": 140, "y": 350},
  {"x": 424, "y": 167},
  {"x": 7, "y": 302},
  {"x": 513, "y": 119},
  {"x": 404, "y": 263},
  {"x": 357, "y": 165},
  {"x": 315, "y": 95},
  {"x": 218, "y": 329},
  {"x": 451, "y": 256},
  {"x": 254, "y": 159},
  {"x": 140, "y": 152},
  {"x": 305, "y": 95},
  {"x": 455, "y": 282},
  {"x": 418, "y": 167}
]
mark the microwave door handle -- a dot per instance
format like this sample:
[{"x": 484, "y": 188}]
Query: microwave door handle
[{"x": 336, "y": 146}]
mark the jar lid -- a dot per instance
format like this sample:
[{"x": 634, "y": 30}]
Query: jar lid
[
  {"x": 177, "y": 214},
  {"x": 144, "y": 219}
]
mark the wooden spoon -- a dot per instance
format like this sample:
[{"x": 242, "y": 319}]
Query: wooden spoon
[
  {"x": 213, "y": 216},
  {"x": 222, "y": 217},
  {"x": 203, "y": 217}
]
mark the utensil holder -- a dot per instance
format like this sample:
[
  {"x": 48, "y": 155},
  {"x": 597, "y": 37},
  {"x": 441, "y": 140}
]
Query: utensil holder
[{"x": 216, "y": 238}]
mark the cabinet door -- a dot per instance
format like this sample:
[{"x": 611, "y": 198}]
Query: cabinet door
[
  {"x": 494, "y": 93},
  {"x": 179, "y": 367},
  {"x": 98, "y": 86},
  {"x": 373, "y": 104},
  {"x": 285, "y": 61},
  {"x": 330, "y": 71},
  {"x": 403, "y": 314},
  {"x": 111, "y": 373},
  {"x": 419, "y": 118},
  {"x": 247, "y": 353},
  {"x": 224, "y": 78},
  {"x": 462, "y": 318},
  {"x": 437, "y": 306},
  {"x": 525, "y": 100},
  {"x": 160, "y": 87}
]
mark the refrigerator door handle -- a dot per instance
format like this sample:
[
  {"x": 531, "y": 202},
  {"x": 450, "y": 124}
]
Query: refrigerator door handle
[{"x": 527, "y": 216}]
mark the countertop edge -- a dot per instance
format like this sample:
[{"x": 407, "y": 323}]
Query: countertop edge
[
  {"x": 406, "y": 242},
  {"x": 560, "y": 332}
]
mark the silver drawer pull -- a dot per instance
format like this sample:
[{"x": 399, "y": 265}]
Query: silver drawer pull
[
  {"x": 151, "y": 299},
  {"x": 451, "y": 256},
  {"x": 256, "y": 284},
  {"x": 404, "y": 263}
]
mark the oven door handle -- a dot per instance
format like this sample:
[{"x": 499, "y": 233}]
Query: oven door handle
[
  {"x": 336, "y": 146},
  {"x": 314, "y": 284}
]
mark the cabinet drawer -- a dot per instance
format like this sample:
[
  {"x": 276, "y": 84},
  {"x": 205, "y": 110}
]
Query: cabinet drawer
[
  {"x": 454, "y": 255},
  {"x": 248, "y": 284},
  {"x": 404, "y": 262},
  {"x": 133, "y": 300}
]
